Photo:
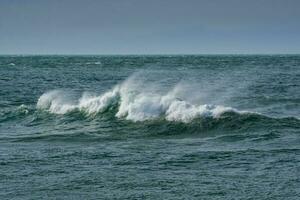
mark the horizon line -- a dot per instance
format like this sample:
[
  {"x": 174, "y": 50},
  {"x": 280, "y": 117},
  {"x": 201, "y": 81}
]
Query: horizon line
[{"x": 150, "y": 54}]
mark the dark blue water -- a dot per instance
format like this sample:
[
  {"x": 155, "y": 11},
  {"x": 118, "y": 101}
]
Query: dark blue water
[{"x": 150, "y": 127}]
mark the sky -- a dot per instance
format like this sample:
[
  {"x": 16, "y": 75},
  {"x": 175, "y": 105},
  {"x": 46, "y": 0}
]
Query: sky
[{"x": 149, "y": 26}]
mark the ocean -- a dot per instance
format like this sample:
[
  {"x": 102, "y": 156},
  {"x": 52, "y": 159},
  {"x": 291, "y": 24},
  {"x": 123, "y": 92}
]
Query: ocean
[{"x": 150, "y": 127}]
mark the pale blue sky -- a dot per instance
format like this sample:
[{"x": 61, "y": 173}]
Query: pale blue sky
[{"x": 149, "y": 26}]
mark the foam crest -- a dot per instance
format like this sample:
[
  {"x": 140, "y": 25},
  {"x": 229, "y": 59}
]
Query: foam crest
[
  {"x": 136, "y": 102},
  {"x": 93, "y": 105},
  {"x": 55, "y": 102}
]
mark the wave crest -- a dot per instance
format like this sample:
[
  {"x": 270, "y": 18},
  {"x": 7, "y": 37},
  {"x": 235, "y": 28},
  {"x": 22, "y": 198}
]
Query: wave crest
[{"x": 134, "y": 102}]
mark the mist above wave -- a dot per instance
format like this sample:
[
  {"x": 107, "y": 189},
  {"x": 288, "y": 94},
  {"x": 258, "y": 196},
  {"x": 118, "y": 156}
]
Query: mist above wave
[{"x": 135, "y": 101}]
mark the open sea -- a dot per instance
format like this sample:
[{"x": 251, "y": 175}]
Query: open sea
[{"x": 150, "y": 127}]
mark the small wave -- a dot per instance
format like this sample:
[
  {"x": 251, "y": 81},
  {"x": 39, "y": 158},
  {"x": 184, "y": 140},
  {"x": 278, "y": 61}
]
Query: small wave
[
  {"x": 23, "y": 109},
  {"x": 94, "y": 63},
  {"x": 135, "y": 103},
  {"x": 15, "y": 113}
]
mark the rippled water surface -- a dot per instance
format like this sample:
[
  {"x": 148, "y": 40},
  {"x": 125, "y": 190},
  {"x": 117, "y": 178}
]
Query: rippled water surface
[{"x": 150, "y": 127}]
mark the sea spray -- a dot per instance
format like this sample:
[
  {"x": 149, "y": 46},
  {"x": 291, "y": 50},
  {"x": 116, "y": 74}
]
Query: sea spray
[
  {"x": 134, "y": 103},
  {"x": 55, "y": 101}
]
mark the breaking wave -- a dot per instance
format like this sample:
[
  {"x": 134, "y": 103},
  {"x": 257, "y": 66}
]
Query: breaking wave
[{"x": 134, "y": 101}]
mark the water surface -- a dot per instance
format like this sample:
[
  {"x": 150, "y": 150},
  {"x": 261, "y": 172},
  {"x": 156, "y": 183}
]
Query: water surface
[{"x": 150, "y": 127}]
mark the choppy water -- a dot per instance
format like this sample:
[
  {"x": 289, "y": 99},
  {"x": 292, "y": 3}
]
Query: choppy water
[{"x": 150, "y": 127}]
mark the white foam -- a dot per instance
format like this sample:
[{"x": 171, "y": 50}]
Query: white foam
[
  {"x": 134, "y": 103},
  {"x": 93, "y": 63},
  {"x": 98, "y": 104},
  {"x": 55, "y": 102},
  {"x": 23, "y": 109}
]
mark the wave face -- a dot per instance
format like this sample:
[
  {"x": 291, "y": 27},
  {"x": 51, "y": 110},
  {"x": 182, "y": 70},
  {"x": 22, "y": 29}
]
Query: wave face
[{"x": 134, "y": 103}]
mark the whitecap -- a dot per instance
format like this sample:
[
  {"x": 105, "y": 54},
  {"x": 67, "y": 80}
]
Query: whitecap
[{"x": 134, "y": 102}]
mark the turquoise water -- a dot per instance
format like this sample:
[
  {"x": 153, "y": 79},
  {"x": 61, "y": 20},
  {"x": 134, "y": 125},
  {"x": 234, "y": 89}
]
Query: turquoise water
[{"x": 150, "y": 127}]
